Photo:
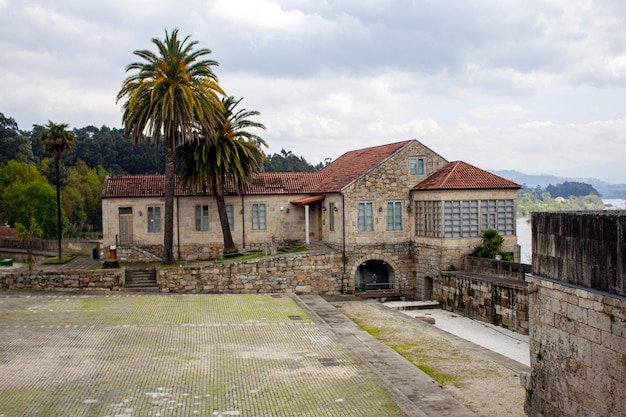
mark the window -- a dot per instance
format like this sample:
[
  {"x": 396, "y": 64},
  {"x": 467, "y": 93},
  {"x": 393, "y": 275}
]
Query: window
[
  {"x": 258, "y": 217},
  {"x": 428, "y": 218},
  {"x": 488, "y": 214},
  {"x": 202, "y": 218},
  {"x": 416, "y": 166},
  {"x": 461, "y": 218},
  {"x": 468, "y": 218},
  {"x": 154, "y": 219},
  {"x": 366, "y": 217},
  {"x": 331, "y": 216},
  {"x": 229, "y": 214},
  {"x": 506, "y": 217},
  {"x": 394, "y": 215}
]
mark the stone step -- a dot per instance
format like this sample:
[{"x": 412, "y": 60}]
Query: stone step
[{"x": 412, "y": 305}]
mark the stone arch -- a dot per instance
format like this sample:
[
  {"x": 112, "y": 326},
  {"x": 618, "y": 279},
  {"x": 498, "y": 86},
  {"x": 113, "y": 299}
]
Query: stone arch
[{"x": 375, "y": 273}]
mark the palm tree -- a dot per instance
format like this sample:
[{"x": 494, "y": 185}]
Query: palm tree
[
  {"x": 233, "y": 157},
  {"x": 172, "y": 94},
  {"x": 57, "y": 140}
]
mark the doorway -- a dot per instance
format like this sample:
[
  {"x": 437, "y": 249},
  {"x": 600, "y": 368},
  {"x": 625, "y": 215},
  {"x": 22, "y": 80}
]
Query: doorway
[
  {"x": 374, "y": 275},
  {"x": 126, "y": 226}
]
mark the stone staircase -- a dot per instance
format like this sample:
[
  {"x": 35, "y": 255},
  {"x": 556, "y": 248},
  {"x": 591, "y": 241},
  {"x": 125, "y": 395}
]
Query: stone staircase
[{"x": 141, "y": 280}]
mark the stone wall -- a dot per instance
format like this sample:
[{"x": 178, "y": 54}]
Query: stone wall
[
  {"x": 577, "y": 352},
  {"x": 495, "y": 268},
  {"x": 91, "y": 280},
  {"x": 577, "y": 316},
  {"x": 300, "y": 274},
  {"x": 583, "y": 248},
  {"x": 498, "y": 301}
]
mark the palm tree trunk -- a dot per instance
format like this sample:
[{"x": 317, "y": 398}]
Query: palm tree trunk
[
  {"x": 56, "y": 166},
  {"x": 168, "y": 231},
  {"x": 229, "y": 245}
]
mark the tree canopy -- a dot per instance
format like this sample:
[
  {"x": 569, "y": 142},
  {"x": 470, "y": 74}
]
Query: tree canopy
[{"x": 571, "y": 189}]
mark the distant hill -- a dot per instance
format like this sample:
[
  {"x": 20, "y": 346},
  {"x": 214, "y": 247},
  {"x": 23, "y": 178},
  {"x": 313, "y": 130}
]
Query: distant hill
[{"x": 605, "y": 189}]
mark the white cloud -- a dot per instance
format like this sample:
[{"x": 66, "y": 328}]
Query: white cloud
[
  {"x": 526, "y": 85},
  {"x": 499, "y": 111}
]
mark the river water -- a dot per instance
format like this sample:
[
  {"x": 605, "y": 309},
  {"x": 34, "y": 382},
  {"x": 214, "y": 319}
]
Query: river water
[{"x": 524, "y": 233}]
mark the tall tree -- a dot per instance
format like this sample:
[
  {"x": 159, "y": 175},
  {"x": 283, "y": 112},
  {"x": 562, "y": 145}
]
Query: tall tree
[
  {"x": 57, "y": 140},
  {"x": 233, "y": 157},
  {"x": 170, "y": 94}
]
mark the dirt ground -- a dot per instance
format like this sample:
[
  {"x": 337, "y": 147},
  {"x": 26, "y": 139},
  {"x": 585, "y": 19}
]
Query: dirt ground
[{"x": 484, "y": 386}]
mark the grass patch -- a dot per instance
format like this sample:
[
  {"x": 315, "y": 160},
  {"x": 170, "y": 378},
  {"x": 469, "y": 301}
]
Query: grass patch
[
  {"x": 416, "y": 352},
  {"x": 440, "y": 377},
  {"x": 59, "y": 261},
  {"x": 257, "y": 255}
]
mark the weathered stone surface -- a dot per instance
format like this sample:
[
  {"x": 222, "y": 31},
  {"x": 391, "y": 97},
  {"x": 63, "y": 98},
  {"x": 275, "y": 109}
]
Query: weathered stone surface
[{"x": 105, "y": 279}]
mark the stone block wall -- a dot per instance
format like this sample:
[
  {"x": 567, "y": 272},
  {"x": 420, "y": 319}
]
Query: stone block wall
[
  {"x": 577, "y": 352},
  {"x": 578, "y": 315},
  {"x": 491, "y": 300},
  {"x": 495, "y": 268},
  {"x": 582, "y": 248},
  {"x": 300, "y": 274},
  {"x": 91, "y": 280}
]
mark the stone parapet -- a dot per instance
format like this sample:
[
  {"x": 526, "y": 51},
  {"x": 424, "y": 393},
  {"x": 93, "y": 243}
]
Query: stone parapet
[
  {"x": 577, "y": 350},
  {"x": 497, "y": 268},
  {"x": 492, "y": 300}
]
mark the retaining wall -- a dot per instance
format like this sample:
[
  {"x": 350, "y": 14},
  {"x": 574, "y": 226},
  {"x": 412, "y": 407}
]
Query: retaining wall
[
  {"x": 577, "y": 352},
  {"x": 577, "y": 315},
  {"x": 300, "y": 274},
  {"x": 102, "y": 280},
  {"x": 489, "y": 299}
]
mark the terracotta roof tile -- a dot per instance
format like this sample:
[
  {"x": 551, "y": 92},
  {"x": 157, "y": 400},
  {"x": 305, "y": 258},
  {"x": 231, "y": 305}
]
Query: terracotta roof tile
[
  {"x": 351, "y": 165},
  {"x": 153, "y": 185},
  {"x": 7, "y": 231},
  {"x": 332, "y": 178},
  {"x": 459, "y": 175}
]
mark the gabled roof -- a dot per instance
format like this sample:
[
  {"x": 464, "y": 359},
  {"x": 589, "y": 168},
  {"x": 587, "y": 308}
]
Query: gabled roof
[
  {"x": 153, "y": 185},
  {"x": 352, "y": 165},
  {"x": 459, "y": 175}
]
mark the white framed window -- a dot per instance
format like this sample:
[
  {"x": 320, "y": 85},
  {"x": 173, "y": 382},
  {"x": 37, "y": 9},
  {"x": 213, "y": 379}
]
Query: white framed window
[
  {"x": 394, "y": 215},
  {"x": 416, "y": 166},
  {"x": 202, "y": 218},
  {"x": 365, "y": 217},
  {"x": 258, "y": 217},
  {"x": 331, "y": 216},
  {"x": 229, "y": 214},
  {"x": 154, "y": 219}
]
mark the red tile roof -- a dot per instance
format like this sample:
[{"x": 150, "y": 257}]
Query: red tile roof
[
  {"x": 332, "y": 178},
  {"x": 7, "y": 231},
  {"x": 459, "y": 175},
  {"x": 351, "y": 165},
  {"x": 153, "y": 185}
]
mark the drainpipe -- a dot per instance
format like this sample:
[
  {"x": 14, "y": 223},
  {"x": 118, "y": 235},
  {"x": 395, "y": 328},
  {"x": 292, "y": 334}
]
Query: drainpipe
[
  {"x": 343, "y": 233},
  {"x": 306, "y": 224},
  {"x": 178, "y": 227},
  {"x": 243, "y": 224}
]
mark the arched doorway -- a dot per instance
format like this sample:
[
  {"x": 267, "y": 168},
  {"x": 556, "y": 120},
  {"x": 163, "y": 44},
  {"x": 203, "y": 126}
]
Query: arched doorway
[{"x": 374, "y": 275}]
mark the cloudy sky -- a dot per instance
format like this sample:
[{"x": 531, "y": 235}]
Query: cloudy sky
[{"x": 538, "y": 86}]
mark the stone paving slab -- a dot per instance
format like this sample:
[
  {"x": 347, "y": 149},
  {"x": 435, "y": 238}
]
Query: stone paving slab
[{"x": 178, "y": 355}]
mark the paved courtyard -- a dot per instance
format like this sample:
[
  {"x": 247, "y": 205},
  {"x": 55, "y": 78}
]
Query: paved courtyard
[{"x": 124, "y": 355}]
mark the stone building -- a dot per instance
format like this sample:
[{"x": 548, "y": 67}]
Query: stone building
[{"x": 398, "y": 213}]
